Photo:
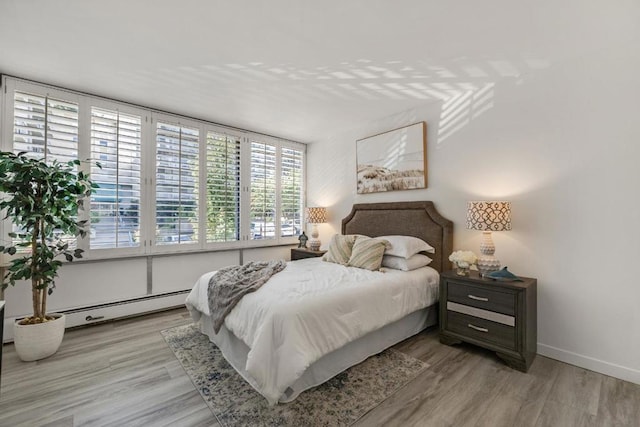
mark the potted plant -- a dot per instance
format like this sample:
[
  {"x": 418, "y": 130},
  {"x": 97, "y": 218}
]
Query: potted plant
[{"x": 41, "y": 199}]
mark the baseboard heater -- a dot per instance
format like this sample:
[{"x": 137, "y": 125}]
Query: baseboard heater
[{"x": 111, "y": 311}]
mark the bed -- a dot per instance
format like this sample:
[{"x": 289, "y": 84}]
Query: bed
[{"x": 315, "y": 319}]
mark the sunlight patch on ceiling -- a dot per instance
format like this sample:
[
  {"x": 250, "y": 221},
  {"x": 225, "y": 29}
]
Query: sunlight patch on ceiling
[
  {"x": 464, "y": 87},
  {"x": 309, "y": 101}
]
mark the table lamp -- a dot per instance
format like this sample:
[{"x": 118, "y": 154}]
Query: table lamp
[
  {"x": 488, "y": 217},
  {"x": 315, "y": 216}
]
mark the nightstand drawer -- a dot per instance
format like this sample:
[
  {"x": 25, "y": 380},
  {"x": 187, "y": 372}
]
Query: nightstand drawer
[
  {"x": 481, "y": 329},
  {"x": 501, "y": 301}
]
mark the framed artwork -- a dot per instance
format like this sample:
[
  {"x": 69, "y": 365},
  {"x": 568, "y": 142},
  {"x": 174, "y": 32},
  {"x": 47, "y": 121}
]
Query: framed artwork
[{"x": 393, "y": 160}]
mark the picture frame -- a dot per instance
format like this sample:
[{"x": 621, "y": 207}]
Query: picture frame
[{"x": 393, "y": 161}]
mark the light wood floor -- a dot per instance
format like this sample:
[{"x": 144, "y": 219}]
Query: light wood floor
[{"x": 123, "y": 374}]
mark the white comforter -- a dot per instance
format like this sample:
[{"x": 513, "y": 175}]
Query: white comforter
[{"x": 312, "y": 308}]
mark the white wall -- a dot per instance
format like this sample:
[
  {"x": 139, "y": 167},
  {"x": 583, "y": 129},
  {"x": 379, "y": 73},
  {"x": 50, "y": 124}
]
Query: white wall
[{"x": 560, "y": 138}]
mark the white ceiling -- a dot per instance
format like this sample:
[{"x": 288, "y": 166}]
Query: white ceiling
[{"x": 302, "y": 70}]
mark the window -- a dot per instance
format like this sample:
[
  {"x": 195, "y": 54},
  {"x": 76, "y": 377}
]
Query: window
[
  {"x": 263, "y": 191},
  {"x": 167, "y": 183},
  {"x": 223, "y": 187},
  {"x": 115, "y": 206},
  {"x": 45, "y": 127},
  {"x": 176, "y": 184},
  {"x": 277, "y": 196},
  {"x": 291, "y": 191}
]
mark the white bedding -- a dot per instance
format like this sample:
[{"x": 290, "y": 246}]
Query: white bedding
[{"x": 312, "y": 308}]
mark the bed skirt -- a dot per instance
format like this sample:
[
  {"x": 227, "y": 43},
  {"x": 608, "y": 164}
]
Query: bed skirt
[{"x": 330, "y": 365}]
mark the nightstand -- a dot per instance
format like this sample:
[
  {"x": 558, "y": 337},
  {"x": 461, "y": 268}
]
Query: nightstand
[
  {"x": 497, "y": 315},
  {"x": 301, "y": 253}
]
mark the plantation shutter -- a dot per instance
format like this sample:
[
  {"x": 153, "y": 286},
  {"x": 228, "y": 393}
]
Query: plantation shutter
[
  {"x": 176, "y": 184},
  {"x": 223, "y": 188},
  {"x": 115, "y": 206},
  {"x": 263, "y": 191},
  {"x": 291, "y": 191},
  {"x": 45, "y": 127}
]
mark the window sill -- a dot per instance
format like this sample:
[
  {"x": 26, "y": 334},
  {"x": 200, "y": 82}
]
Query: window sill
[{"x": 176, "y": 253}]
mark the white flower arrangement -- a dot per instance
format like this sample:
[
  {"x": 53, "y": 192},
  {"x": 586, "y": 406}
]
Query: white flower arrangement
[{"x": 464, "y": 259}]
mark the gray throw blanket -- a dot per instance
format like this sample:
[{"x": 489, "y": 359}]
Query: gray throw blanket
[{"x": 228, "y": 285}]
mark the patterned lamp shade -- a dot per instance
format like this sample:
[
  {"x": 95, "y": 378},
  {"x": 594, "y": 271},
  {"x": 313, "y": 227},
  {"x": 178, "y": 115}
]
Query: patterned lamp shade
[
  {"x": 489, "y": 216},
  {"x": 316, "y": 215}
]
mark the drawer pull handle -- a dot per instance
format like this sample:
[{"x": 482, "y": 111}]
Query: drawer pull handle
[
  {"x": 478, "y": 298},
  {"x": 477, "y": 328}
]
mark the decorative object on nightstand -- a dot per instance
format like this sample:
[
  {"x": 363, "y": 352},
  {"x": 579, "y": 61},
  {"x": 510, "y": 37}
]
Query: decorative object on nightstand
[
  {"x": 498, "y": 315},
  {"x": 315, "y": 216},
  {"x": 503, "y": 274},
  {"x": 488, "y": 217},
  {"x": 463, "y": 261},
  {"x": 302, "y": 253},
  {"x": 303, "y": 240}
]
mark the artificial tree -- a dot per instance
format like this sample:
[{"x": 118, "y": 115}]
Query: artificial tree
[{"x": 41, "y": 198}]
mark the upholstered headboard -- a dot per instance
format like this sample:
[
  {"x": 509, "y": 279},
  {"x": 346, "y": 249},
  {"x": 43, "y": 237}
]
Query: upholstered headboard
[{"x": 418, "y": 219}]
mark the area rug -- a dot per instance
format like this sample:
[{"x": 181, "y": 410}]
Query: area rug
[{"x": 339, "y": 402}]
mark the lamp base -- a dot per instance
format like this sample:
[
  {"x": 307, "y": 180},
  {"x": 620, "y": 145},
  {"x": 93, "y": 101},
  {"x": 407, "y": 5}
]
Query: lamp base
[
  {"x": 314, "y": 244},
  {"x": 486, "y": 264}
]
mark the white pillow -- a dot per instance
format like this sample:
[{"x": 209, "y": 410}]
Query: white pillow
[
  {"x": 404, "y": 264},
  {"x": 406, "y": 246}
]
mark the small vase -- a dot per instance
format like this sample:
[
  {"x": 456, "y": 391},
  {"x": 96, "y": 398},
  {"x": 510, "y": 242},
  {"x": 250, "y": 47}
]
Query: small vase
[{"x": 462, "y": 270}]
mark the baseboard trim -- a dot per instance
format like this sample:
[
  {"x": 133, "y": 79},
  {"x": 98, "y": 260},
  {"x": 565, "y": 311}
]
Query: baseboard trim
[
  {"x": 590, "y": 363},
  {"x": 110, "y": 311}
]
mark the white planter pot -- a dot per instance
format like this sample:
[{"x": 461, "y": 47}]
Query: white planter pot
[{"x": 35, "y": 342}]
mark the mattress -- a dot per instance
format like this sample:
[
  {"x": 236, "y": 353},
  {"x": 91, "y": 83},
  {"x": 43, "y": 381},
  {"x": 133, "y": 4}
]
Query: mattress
[{"x": 308, "y": 311}]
